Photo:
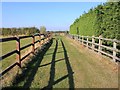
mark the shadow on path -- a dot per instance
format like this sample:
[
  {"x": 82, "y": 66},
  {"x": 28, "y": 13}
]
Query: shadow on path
[
  {"x": 69, "y": 68},
  {"x": 51, "y": 62},
  {"x": 52, "y": 53},
  {"x": 30, "y": 70},
  {"x": 52, "y": 70}
]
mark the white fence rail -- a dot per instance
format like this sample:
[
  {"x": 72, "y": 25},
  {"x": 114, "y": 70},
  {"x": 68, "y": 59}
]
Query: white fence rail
[{"x": 96, "y": 44}]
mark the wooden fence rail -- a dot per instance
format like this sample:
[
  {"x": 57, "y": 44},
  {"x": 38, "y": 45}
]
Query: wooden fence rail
[
  {"x": 90, "y": 42},
  {"x": 19, "y": 48}
]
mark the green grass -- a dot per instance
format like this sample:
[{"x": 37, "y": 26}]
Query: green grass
[
  {"x": 10, "y": 46},
  {"x": 64, "y": 64},
  {"x": 90, "y": 72}
]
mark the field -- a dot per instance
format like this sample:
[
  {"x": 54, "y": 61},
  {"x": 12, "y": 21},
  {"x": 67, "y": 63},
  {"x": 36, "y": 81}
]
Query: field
[
  {"x": 10, "y": 46},
  {"x": 66, "y": 64}
]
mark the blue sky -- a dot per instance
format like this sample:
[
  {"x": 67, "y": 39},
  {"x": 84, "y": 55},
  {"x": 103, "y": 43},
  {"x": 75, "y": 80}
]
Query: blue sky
[{"x": 53, "y": 15}]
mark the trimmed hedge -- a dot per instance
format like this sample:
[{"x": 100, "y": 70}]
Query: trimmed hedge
[{"x": 102, "y": 20}]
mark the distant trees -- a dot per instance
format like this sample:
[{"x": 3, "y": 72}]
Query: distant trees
[
  {"x": 102, "y": 20},
  {"x": 43, "y": 30},
  {"x": 19, "y": 31},
  {"x": 22, "y": 31}
]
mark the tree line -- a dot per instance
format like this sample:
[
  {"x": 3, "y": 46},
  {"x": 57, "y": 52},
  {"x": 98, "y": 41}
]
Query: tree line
[
  {"x": 26, "y": 31},
  {"x": 19, "y": 31},
  {"x": 102, "y": 20},
  {"x": 22, "y": 31}
]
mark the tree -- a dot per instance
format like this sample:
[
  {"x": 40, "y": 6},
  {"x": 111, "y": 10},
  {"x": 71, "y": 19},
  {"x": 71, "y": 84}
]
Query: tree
[{"x": 43, "y": 30}]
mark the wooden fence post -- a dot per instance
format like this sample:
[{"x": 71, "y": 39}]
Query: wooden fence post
[
  {"x": 39, "y": 40},
  {"x": 100, "y": 43},
  {"x": 114, "y": 52},
  {"x": 18, "y": 55},
  {"x": 93, "y": 41},
  {"x": 33, "y": 44},
  {"x": 44, "y": 40},
  {"x": 49, "y": 37},
  {"x": 87, "y": 41}
]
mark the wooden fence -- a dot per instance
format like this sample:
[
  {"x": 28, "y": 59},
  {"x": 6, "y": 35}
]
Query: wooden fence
[
  {"x": 41, "y": 41},
  {"x": 96, "y": 44}
]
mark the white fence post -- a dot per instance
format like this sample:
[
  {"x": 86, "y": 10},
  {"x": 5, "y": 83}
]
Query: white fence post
[
  {"x": 114, "y": 52},
  {"x": 77, "y": 37},
  {"x": 100, "y": 43},
  {"x": 114, "y": 49},
  {"x": 74, "y": 37},
  {"x": 87, "y": 41},
  {"x": 93, "y": 41},
  {"x": 82, "y": 39}
]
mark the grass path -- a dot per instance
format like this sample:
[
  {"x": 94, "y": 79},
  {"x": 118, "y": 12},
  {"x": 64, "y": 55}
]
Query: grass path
[{"x": 66, "y": 64}]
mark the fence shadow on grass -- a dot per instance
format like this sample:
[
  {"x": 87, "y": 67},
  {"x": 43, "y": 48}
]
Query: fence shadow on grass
[
  {"x": 69, "y": 68},
  {"x": 29, "y": 73},
  {"x": 52, "y": 69},
  {"x": 51, "y": 62},
  {"x": 52, "y": 53}
]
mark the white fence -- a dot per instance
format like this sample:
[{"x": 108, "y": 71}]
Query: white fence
[{"x": 96, "y": 44}]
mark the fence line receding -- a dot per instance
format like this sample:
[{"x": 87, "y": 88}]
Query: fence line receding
[
  {"x": 42, "y": 41},
  {"x": 96, "y": 44}
]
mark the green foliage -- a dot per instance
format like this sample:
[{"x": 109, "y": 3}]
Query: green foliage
[
  {"x": 42, "y": 29},
  {"x": 108, "y": 16},
  {"x": 84, "y": 25},
  {"x": 19, "y": 31},
  {"x": 103, "y": 20}
]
